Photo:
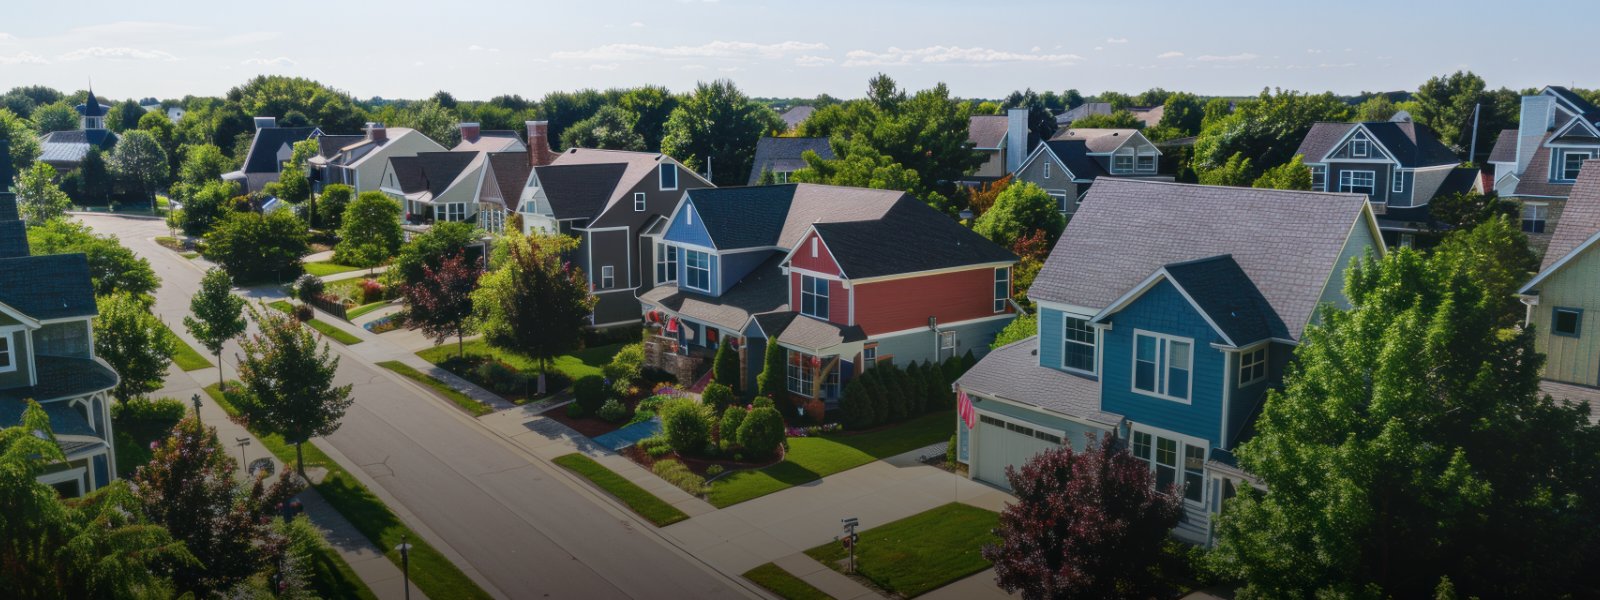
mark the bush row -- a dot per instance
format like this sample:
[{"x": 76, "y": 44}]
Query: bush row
[{"x": 890, "y": 394}]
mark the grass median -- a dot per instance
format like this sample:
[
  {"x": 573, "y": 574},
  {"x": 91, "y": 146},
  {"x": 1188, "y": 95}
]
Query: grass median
[
  {"x": 324, "y": 327},
  {"x": 474, "y": 407},
  {"x": 919, "y": 553},
  {"x": 644, "y": 503},
  {"x": 432, "y": 572},
  {"x": 186, "y": 357},
  {"x": 783, "y": 584},
  {"x": 326, "y": 268}
]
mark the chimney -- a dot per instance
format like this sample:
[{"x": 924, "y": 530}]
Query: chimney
[
  {"x": 469, "y": 132},
  {"x": 1536, "y": 114},
  {"x": 539, "y": 153},
  {"x": 1016, "y": 138},
  {"x": 376, "y": 132},
  {"x": 266, "y": 122}
]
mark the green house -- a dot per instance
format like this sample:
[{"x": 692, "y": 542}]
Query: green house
[{"x": 1563, "y": 300}]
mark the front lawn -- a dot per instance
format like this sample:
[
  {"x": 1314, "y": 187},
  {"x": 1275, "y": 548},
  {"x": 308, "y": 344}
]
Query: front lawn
[
  {"x": 576, "y": 365},
  {"x": 474, "y": 407},
  {"x": 320, "y": 325},
  {"x": 186, "y": 357},
  {"x": 364, "y": 309},
  {"x": 812, "y": 458},
  {"x": 639, "y": 500},
  {"x": 786, "y": 586},
  {"x": 919, "y": 553},
  {"x": 328, "y": 267}
]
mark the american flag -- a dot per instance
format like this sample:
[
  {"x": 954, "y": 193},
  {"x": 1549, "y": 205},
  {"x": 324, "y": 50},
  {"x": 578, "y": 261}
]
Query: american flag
[{"x": 965, "y": 410}]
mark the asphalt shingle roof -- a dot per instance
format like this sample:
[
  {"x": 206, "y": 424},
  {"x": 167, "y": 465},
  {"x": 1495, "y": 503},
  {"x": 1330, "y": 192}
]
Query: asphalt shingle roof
[
  {"x": 909, "y": 238},
  {"x": 793, "y": 117},
  {"x": 1097, "y": 139},
  {"x": 8, "y": 203},
  {"x": 784, "y": 154},
  {"x": 1012, "y": 373},
  {"x": 1412, "y": 144},
  {"x": 1574, "y": 394},
  {"x": 1224, "y": 293},
  {"x": 764, "y": 290},
  {"x": 579, "y": 191},
  {"x": 13, "y": 239},
  {"x": 511, "y": 174},
  {"x": 814, "y": 334},
  {"x": 1590, "y": 112},
  {"x": 986, "y": 131},
  {"x": 1536, "y": 179},
  {"x": 1074, "y": 153},
  {"x": 1581, "y": 218},
  {"x": 49, "y": 286},
  {"x": 778, "y": 215},
  {"x": 58, "y": 377},
  {"x": 1285, "y": 241},
  {"x": 497, "y": 140},
  {"x": 1505, "y": 147},
  {"x": 263, "y": 155},
  {"x": 431, "y": 172}
]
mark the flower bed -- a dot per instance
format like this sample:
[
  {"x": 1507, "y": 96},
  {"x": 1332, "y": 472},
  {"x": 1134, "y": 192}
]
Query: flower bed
[{"x": 385, "y": 324}]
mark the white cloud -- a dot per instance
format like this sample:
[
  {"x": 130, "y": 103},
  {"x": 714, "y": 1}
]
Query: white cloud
[
  {"x": 247, "y": 38},
  {"x": 6, "y": 38},
  {"x": 693, "y": 67},
  {"x": 23, "y": 58},
  {"x": 133, "y": 29},
  {"x": 1243, "y": 56},
  {"x": 1172, "y": 54},
  {"x": 281, "y": 61},
  {"x": 730, "y": 69},
  {"x": 1115, "y": 40},
  {"x": 1313, "y": 51},
  {"x": 477, "y": 48},
  {"x": 636, "y": 24},
  {"x": 117, "y": 53},
  {"x": 1099, "y": 47},
  {"x": 811, "y": 60},
  {"x": 950, "y": 55},
  {"x": 716, "y": 49},
  {"x": 1034, "y": 49},
  {"x": 604, "y": 67}
]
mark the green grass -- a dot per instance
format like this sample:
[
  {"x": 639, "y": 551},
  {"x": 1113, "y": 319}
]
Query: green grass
[
  {"x": 185, "y": 355},
  {"x": 328, "y": 267},
  {"x": 919, "y": 553},
  {"x": 320, "y": 325},
  {"x": 786, "y": 586},
  {"x": 432, "y": 572},
  {"x": 812, "y": 458},
  {"x": 331, "y": 577},
  {"x": 474, "y": 407},
  {"x": 636, "y": 498},
  {"x": 364, "y": 309},
  {"x": 578, "y": 364},
  {"x": 190, "y": 255}
]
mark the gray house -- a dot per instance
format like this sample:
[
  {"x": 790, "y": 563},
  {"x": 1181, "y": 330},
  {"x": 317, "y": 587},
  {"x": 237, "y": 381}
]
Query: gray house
[
  {"x": 782, "y": 156},
  {"x": 269, "y": 149},
  {"x": 1538, "y": 162},
  {"x": 1400, "y": 165},
  {"x": 1067, "y": 165}
]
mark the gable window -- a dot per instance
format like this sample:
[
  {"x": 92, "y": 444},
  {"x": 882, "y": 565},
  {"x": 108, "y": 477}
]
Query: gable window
[
  {"x": 697, "y": 270},
  {"x": 1002, "y": 288},
  {"x": 669, "y": 176},
  {"x": 6, "y": 362},
  {"x": 1047, "y": 169},
  {"x": 1567, "y": 322},
  {"x": 1359, "y": 148},
  {"x": 1252, "y": 366},
  {"x": 814, "y": 297},
  {"x": 638, "y": 202},
  {"x": 1533, "y": 217},
  {"x": 608, "y": 277},
  {"x": 1062, "y": 205},
  {"x": 1319, "y": 179},
  {"x": 1571, "y": 163},
  {"x": 813, "y": 247},
  {"x": 1357, "y": 182},
  {"x": 1077, "y": 352},
  {"x": 1162, "y": 365},
  {"x": 1122, "y": 162},
  {"x": 1399, "y": 183},
  {"x": 666, "y": 263},
  {"x": 1147, "y": 162}
]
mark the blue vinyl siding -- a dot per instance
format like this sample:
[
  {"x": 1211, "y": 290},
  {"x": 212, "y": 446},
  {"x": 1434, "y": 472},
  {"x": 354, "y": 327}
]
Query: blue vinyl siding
[
  {"x": 1163, "y": 310},
  {"x": 1246, "y": 399},
  {"x": 736, "y": 265},
  {"x": 682, "y": 232},
  {"x": 1050, "y": 338}
]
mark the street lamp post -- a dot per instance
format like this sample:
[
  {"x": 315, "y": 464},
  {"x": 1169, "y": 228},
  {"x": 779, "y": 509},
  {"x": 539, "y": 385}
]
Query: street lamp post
[
  {"x": 405, "y": 565},
  {"x": 242, "y": 442}
]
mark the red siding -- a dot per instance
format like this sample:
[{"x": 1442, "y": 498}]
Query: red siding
[
  {"x": 838, "y": 299},
  {"x": 900, "y": 304},
  {"x": 823, "y": 263}
]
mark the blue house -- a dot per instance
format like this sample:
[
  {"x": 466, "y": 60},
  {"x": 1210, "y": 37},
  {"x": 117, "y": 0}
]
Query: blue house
[{"x": 1166, "y": 312}]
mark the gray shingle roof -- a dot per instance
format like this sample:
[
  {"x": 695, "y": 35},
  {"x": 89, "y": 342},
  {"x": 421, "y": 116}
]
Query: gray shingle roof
[
  {"x": 431, "y": 172},
  {"x": 1286, "y": 241},
  {"x": 1536, "y": 178},
  {"x": 330, "y": 145},
  {"x": 777, "y": 215},
  {"x": 1012, "y": 373},
  {"x": 263, "y": 155},
  {"x": 910, "y": 238},
  {"x": 784, "y": 154},
  {"x": 1459, "y": 181},
  {"x": 1590, "y": 112},
  {"x": 579, "y": 191},
  {"x": 986, "y": 131},
  {"x": 1581, "y": 218},
  {"x": 1083, "y": 110},
  {"x": 793, "y": 117},
  {"x": 1505, "y": 147},
  {"x": 1225, "y": 294},
  {"x": 1074, "y": 153},
  {"x": 1097, "y": 139},
  {"x": 496, "y": 140},
  {"x": 60, "y": 377},
  {"x": 13, "y": 239},
  {"x": 812, "y": 334},
  {"x": 1412, "y": 144},
  {"x": 8, "y": 202},
  {"x": 1574, "y": 394},
  {"x": 48, "y": 287},
  {"x": 764, "y": 290}
]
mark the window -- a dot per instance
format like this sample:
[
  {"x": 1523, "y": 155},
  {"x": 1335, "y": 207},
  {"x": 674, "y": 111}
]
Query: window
[
  {"x": 1162, "y": 366},
  {"x": 1567, "y": 322},
  {"x": 1533, "y": 217},
  {"x": 1147, "y": 162},
  {"x": 1253, "y": 366},
  {"x": 1002, "y": 288},
  {"x": 781, "y": 176},
  {"x": 1407, "y": 240},
  {"x": 1166, "y": 462},
  {"x": 666, "y": 263},
  {"x": 6, "y": 363},
  {"x": 1122, "y": 163},
  {"x": 814, "y": 297},
  {"x": 1047, "y": 169},
  {"x": 947, "y": 344},
  {"x": 800, "y": 377},
  {"x": 1319, "y": 178},
  {"x": 813, "y": 247},
  {"x": 1061, "y": 202},
  {"x": 638, "y": 202},
  {"x": 1022, "y": 429},
  {"x": 455, "y": 211},
  {"x": 697, "y": 270},
  {"x": 1357, "y": 182},
  {"x": 1359, "y": 148},
  {"x": 1194, "y": 466},
  {"x": 1571, "y": 163},
  {"x": 1399, "y": 183},
  {"x": 1077, "y": 352},
  {"x": 1141, "y": 445},
  {"x": 608, "y": 277},
  {"x": 669, "y": 176},
  {"x": 869, "y": 357},
  {"x": 1161, "y": 453}
]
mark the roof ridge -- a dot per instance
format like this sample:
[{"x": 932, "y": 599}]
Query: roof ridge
[{"x": 1125, "y": 181}]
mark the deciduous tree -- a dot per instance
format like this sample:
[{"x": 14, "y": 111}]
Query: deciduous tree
[
  {"x": 1120, "y": 119},
  {"x": 18, "y": 133},
  {"x": 1020, "y": 210},
  {"x": 716, "y": 128},
  {"x": 441, "y": 241},
  {"x": 134, "y": 343},
  {"x": 39, "y": 199},
  {"x": 370, "y": 232},
  {"x": 650, "y": 106},
  {"x": 54, "y": 117},
  {"x": 536, "y": 304},
  {"x": 288, "y": 381},
  {"x": 113, "y": 267},
  {"x": 441, "y": 303},
  {"x": 610, "y": 128},
  {"x": 139, "y": 162},
  {"x": 1292, "y": 175},
  {"x": 218, "y": 315},
  {"x": 256, "y": 247},
  {"x": 1266, "y": 130}
]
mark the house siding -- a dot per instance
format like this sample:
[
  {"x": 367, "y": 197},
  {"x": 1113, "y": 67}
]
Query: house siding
[
  {"x": 21, "y": 356},
  {"x": 370, "y": 172},
  {"x": 1244, "y": 401},
  {"x": 821, "y": 263},
  {"x": 922, "y": 346},
  {"x": 1354, "y": 248},
  {"x": 1058, "y": 183},
  {"x": 682, "y": 231},
  {"x": 683, "y": 274},
  {"x": 1380, "y": 175},
  {"x": 1163, "y": 310},
  {"x": 900, "y": 304},
  {"x": 1576, "y": 285},
  {"x": 736, "y": 265},
  {"x": 838, "y": 299}
]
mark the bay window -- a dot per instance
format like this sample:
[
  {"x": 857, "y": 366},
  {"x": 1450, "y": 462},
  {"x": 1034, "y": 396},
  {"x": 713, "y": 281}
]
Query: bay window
[{"x": 666, "y": 263}]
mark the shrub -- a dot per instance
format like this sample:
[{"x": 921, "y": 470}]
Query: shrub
[
  {"x": 627, "y": 365},
  {"x": 725, "y": 367},
  {"x": 774, "y": 371},
  {"x": 574, "y": 410},
  {"x": 763, "y": 402},
  {"x": 899, "y": 395},
  {"x": 371, "y": 291},
  {"x": 304, "y": 313},
  {"x": 879, "y": 392},
  {"x": 714, "y": 470},
  {"x": 655, "y": 446},
  {"x": 855, "y": 406},
  {"x": 308, "y": 287},
  {"x": 590, "y": 392},
  {"x": 951, "y": 367},
  {"x": 728, "y": 430},
  {"x": 613, "y": 411},
  {"x": 940, "y": 396},
  {"x": 496, "y": 376},
  {"x": 140, "y": 408},
  {"x": 687, "y": 425},
  {"x": 950, "y": 451},
  {"x": 761, "y": 432},
  {"x": 718, "y": 396},
  {"x": 916, "y": 390},
  {"x": 679, "y": 475}
]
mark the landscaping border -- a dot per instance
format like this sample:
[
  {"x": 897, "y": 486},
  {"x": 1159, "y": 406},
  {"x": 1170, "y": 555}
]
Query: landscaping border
[
  {"x": 636, "y": 498},
  {"x": 474, "y": 407}
]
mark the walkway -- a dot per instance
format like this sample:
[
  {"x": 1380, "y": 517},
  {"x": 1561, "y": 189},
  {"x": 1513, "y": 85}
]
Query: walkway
[{"x": 630, "y": 435}]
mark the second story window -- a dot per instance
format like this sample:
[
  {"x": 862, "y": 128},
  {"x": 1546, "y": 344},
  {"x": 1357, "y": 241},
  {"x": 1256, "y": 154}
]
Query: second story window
[
  {"x": 666, "y": 263},
  {"x": 1147, "y": 162},
  {"x": 669, "y": 176},
  {"x": 1077, "y": 352},
  {"x": 1162, "y": 365},
  {"x": 1122, "y": 162},
  {"x": 1002, "y": 288},
  {"x": 1398, "y": 184},
  {"x": 869, "y": 357},
  {"x": 1253, "y": 366},
  {"x": 1571, "y": 163},
  {"x": 1567, "y": 322},
  {"x": 1359, "y": 148},
  {"x": 1533, "y": 217},
  {"x": 1319, "y": 179},
  {"x": 1357, "y": 182},
  {"x": 6, "y": 363},
  {"x": 697, "y": 270},
  {"x": 638, "y": 202},
  {"x": 608, "y": 277},
  {"x": 814, "y": 297}
]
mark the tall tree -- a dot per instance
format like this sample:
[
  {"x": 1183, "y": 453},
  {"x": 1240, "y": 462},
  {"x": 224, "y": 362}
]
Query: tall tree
[
  {"x": 124, "y": 116},
  {"x": 113, "y": 268},
  {"x": 716, "y": 128},
  {"x": 202, "y": 164},
  {"x": 1183, "y": 112},
  {"x": 39, "y": 199},
  {"x": 1120, "y": 119},
  {"x": 925, "y": 133},
  {"x": 1020, "y": 210},
  {"x": 1267, "y": 129},
  {"x": 441, "y": 303},
  {"x": 1445, "y": 104},
  {"x": 1377, "y": 108},
  {"x": 1411, "y": 445},
  {"x": 218, "y": 315},
  {"x": 535, "y": 305},
  {"x": 288, "y": 382},
  {"x": 1041, "y": 120},
  {"x": 1085, "y": 524},
  {"x": 371, "y": 231},
  {"x": 97, "y": 182},
  {"x": 140, "y": 163},
  {"x": 1292, "y": 175},
  {"x": 1495, "y": 255},
  {"x": 610, "y": 128},
  {"x": 255, "y": 247},
  {"x": 334, "y": 200},
  {"x": 54, "y": 117},
  {"x": 206, "y": 206},
  {"x": 18, "y": 133},
  {"x": 134, "y": 343},
  {"x": 441, "y": 241},
  {"x": 651, "y": 107},
  {"x": 166, "y": 134},
  {"x": 277, "y": 95},
  {"x": 436, "y": 122}
]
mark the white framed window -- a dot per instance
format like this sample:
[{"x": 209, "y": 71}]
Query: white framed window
[
  {"x": 1534, "y": 216},
  {"x": 1571, "y": 163},
  {"x": 1163, "y": 365},
  {"x": 1358, "y": 182},
  {"x": 668, "y": 174},
  {"x": 1252, "y": 366},
  {"x": 697, "y": 270},
  {"x": 947, "y": 344},
  {"x": 800, "y": 377},
  {"x": 1020, "y": 428},
  {"x": 1122, "y": 162},
  {"x": 1046, "y": 170},
  {"x": 1078, "y": 345},
  {"x": 1062, "y": 205},
  {"x": 1162, "y": 453},
  {"x": 1147, "y": 162},
  {"x": 869, "y": 357},
  {"x": 1002, "y": 288},
  {"x": 780, "y": 177},
  {"x": 608, "y": 277},
  {"x": 666, "y": 263},
  {"x": 8, "y": 362},
  {"x": 454, "y": 211},
  {"x": 1359, "y": 147},
  {"x": 814, "y": 297},
  {"x": 1398, "y": 183},
  {"x": 638, "y": 202},
  {"x": 813, "y": 247},
  {"x": 1319, "y": 178}
]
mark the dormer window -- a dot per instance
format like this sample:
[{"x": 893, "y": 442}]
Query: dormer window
[
  {"x": 668, "y": 174},
  {"x": 1571, "y": 163},
  {"x": 813, "y": 247},
  {"x": 1359, "y": 148},
  {"x": 697, "y": 270},
  {"x": 1122, "y": 162},
  {"x": 1147, "y": 162}
]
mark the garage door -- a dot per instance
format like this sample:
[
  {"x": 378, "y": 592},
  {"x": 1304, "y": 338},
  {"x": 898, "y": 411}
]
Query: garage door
[{"x": 1003, "y": 443}]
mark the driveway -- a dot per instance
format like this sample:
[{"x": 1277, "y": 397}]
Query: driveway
[{"x": 520, "y": 526}]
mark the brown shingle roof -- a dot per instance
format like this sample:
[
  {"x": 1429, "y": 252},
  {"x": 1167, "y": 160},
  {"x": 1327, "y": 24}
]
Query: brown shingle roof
[
  {"x": 1012, "y": 372},
  {"x": 1505, "y": 147},
  {"x": 1536, "y": 178},
  {"x": 986, "y": 131},
  {"x": 510, "y": 173},
  {"x": 1581, "y": 218}
]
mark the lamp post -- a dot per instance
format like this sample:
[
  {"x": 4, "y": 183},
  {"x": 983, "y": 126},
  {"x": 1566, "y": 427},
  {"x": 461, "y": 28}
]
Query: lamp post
[
  {"x": 405, "y": 565},
  {"x": 242, "y": 442}
]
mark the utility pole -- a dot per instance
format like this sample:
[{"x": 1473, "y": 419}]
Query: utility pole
[{"x": 1472, "y": 155}]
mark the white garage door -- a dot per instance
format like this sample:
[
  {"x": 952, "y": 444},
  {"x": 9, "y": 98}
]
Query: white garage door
[{"x": 1003, "y": 443}]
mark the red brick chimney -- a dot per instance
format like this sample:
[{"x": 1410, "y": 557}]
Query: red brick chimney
[
  {"x": 469, "y": 132},
  {"x": 539, "y": 153},
  {"x": 376, "y": 132}
]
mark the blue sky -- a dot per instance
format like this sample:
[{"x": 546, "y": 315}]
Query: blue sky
[{"x": 408, "y": 48}]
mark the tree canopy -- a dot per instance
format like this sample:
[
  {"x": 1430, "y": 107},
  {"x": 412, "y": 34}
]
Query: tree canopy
[
  {"x": 536, "y": 304},
  {"x": 288, "y": 375},
  {"x": 370, "y": 233},
  {"x": 1266, "y": 130},
  {"x": 610, "y": 128},
  {"x": 716, "y": 127},
  {"x": 134, "y": 342},
  {"x": 112, "y": 267},
  {"x": 255, "y": 247},
  {"x": 1021, "y": 209}
]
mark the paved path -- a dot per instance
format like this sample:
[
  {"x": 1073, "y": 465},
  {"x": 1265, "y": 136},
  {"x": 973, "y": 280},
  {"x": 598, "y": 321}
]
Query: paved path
[
  {"x": 630, "y": 435},
  {"x": 519, "y": 526}
]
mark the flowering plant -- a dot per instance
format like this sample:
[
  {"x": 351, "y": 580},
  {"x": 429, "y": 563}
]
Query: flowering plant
[{"x": 814, "y": 430}]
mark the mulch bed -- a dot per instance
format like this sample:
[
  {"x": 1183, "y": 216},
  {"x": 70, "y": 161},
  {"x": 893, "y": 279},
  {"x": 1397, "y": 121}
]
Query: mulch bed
[
  {"x": 696, "y": 464},
  {"x": 592, "y": 426}
]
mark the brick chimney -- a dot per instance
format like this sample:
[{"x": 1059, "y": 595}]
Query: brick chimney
[
  {"x": 376, "y": 132},
  {"x": 539, "y": 153},
  {"x": 469, "y": 132}
]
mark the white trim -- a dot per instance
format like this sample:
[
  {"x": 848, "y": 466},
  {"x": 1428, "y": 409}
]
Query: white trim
[
  {"x": 1085, "y": 311},
  {"x": 640, "y": 202},
  {"x": 816, "y": 274},
  {"x": 1163, "y": 363},
  {"x": 26, "y": 320},
  {"x": 1094, "y": 347},
  {"x": 929, "y": 272},
  {"x": 614, "y": 323},
  {"x": 1265, "y": 363},
  {"x": 78, "y": 474},
  {"x": 13, "y": 358},
  {"x": 924, "y": 328},
  {"x": 661, "y": 167},
  {"x": 1149, "y": 283},
  {"x": 684, "y": 281},
  {"x": 990, "y": 396},
  {"x": 811, "y": 230},
  {"x": 1352, "y": 172},
  {"x": 1043, "y": 148},
  {"x": 1562, "y": 262}
]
